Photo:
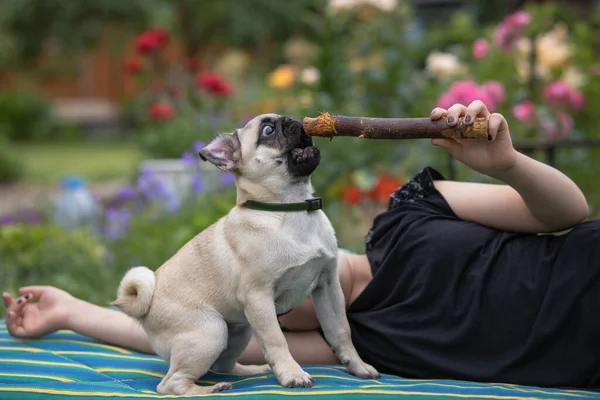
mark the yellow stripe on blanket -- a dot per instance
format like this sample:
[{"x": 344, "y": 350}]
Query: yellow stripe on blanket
[
  {"x": 54, "y": 378},
  {"x": 265, "y": 392},
  {"x": 57, "y": 364},
  {"x": 82, "y": 342}
]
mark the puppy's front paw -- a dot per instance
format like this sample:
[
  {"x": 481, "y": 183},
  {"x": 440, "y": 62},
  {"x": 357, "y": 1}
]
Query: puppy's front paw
[
  {"x": 361, "y": 369},
  {"x": 299, "y": 379}
]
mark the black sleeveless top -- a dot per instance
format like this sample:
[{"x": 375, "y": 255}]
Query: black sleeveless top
[{"x": 452, "y": 299}]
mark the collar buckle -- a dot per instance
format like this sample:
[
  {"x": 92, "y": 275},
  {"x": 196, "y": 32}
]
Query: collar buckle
[{"x": 314, "y": 204}]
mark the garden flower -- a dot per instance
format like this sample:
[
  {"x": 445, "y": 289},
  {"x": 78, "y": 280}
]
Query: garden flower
[
  {"x": 443, "y": 65},
  {"x": 282, "y": 77},
  {"x": 524, "y": 111},
  {"x": 495, "y": 90},
  {"x": 227, "y": 179},
  {"x": 480, "y": 48},
  {"x": 197, "y": 184},
  {"x": 213, "y": 83},
  {"x": 198, "y": 145},
  {"x": 491, "y": 93},
  {"x": 310, "y": 75},
  {"x": 510, "y": 30},
  {"x": 560, "y": 96},
  {"x": 133, "y": 66},
  {"x": 127, "y": 192},
  {"x": 117, "y": 222},
  {"x": 188, "y": 159},
  {"x": 384, "y": 187},
  {"x": 552, "y": 52},
  {"x": 151, "y": 40},
  {"x": 351, "y": 195},
  {"x": 161, "y": 110},
  {"x": 7, "y": 220}
]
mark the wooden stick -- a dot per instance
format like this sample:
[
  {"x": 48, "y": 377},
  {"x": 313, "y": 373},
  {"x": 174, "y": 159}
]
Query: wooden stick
[{"x": 330, "y": 126}]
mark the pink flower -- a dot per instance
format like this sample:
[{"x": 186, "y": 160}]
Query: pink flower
[
  {"x": 480, "y": 48},
  {"x": 576, "y": 100},
  {"x": 560, "y": 96},
  {"x": 161, "y": 111},
  {"x": 510, "y": 30},
  {"x": 566, "y": 123},
  {"x": 525, "y": 111},
  {"x": 151, "y": 40},
  {"x": 465, "y": 92},
  {"x": 495, "y": 90}
]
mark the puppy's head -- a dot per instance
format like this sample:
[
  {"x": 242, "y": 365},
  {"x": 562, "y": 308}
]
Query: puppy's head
[{"x": 269, "y": 150}]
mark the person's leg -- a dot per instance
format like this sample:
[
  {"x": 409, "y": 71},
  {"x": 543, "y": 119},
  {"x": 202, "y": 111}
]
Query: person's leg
[
  {"x": 307, "y": 347},
  {"x": 303, "y": 317}
]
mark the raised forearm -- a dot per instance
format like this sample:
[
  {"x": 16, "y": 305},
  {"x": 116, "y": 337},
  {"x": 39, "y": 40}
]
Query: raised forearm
[
  {"x": 107, "y": 325},
  {"x": 551, "y": 197}
]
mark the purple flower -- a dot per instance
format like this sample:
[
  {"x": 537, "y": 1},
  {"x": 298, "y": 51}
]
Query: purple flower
[
  {"x": 117, "y": 222},
  {"x": 198, "y": 145},
  {"x": 188, "y": 159},
  {"x": 127, "y": 192},
  {"x": 7, "y": 220},
  {"x": 227, "y": 179},
  {"x": 197, "y": 184},
  {"x": 33, "y": 217},
  {"x": 172, "y": 205}
]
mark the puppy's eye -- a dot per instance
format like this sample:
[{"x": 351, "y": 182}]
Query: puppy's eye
[{"x": 267, "y": 130}]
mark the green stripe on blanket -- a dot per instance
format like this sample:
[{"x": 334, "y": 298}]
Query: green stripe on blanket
[{"x": 65, "y": 365}]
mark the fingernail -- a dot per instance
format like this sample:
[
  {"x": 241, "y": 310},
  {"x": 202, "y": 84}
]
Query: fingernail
[
  {"x": 433, "y": 112},
  {"x": 451, "y": 119},
  {"x": 19, "y": 301},
  {"x": 468, "y": 118},
  {"x": 489, "y": 137}
]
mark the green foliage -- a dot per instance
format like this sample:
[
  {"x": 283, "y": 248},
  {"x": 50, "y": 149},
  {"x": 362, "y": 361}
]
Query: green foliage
[
  {"x": 151, "y": 240},
  {"x": 46, "y": 255},
  {"x": 25, "y": 116},
  {"x": 91, "y": 267},
  {"x": 11, "y": 168},
  {"x": 31, "y": 23},
  {"x": 170, "y": 139}
]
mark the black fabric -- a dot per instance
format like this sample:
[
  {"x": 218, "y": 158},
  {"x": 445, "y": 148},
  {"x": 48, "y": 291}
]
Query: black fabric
[{"x": 457, "y": 300}]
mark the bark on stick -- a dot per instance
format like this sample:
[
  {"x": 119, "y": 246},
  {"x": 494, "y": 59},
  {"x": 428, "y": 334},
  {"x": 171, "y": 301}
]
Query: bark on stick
[{"x": 330, "y": 126}]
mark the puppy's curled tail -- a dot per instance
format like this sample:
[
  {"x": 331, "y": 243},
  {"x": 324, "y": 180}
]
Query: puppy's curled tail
[{"x": 135, "y": 292}]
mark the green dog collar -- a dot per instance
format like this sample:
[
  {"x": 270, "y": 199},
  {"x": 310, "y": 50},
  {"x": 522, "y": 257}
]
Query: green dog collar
[{"x": 306, "y": 205}]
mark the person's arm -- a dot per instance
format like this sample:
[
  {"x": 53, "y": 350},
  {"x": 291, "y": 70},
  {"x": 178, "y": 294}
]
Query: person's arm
[
  {"x": 41, "y": 310},
  {"x": 535, "y": 198},
  {"x": 107, "y": 325}
]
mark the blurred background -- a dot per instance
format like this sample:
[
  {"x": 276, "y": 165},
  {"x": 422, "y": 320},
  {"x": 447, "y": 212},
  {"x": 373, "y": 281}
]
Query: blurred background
[{"x": 104, "y": 104}]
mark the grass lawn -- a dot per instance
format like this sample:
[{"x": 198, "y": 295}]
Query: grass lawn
[{"x": 96, "y": 161}]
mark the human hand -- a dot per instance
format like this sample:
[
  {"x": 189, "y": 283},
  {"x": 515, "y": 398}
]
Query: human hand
[
  {"x": 25, "y": 318},
  {"x": 489, "y": 157}
]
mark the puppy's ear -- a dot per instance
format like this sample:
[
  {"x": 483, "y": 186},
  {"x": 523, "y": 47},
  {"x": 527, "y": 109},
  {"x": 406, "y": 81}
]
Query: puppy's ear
[{"x": 223, "y": 151}]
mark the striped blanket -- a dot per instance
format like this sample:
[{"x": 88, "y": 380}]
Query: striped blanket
[{"x": 65, "y": 365}]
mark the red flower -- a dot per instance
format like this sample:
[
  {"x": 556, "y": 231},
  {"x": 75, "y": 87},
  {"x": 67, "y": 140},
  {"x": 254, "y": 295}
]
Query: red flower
[
  {"x": 351, "y": 195},
  {"x": 151, "y": 40},
  {"x": 194, "y": 64},
  {"x": 133, "y": 66},
  {"x": 384, "y": 187},
  {"x": 213, "y": 83},
  {"x": 159, "y": 111}
]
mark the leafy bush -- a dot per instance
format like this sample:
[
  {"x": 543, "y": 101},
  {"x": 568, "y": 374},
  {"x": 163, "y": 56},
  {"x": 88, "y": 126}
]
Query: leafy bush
[
  {"x": 46, "y": 255},
  {"x": 24, "y": 116},
  {"x": 11, "y": 168}
]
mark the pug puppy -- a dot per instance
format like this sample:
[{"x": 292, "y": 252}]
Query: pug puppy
[{"x": 201, "y": 306}]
